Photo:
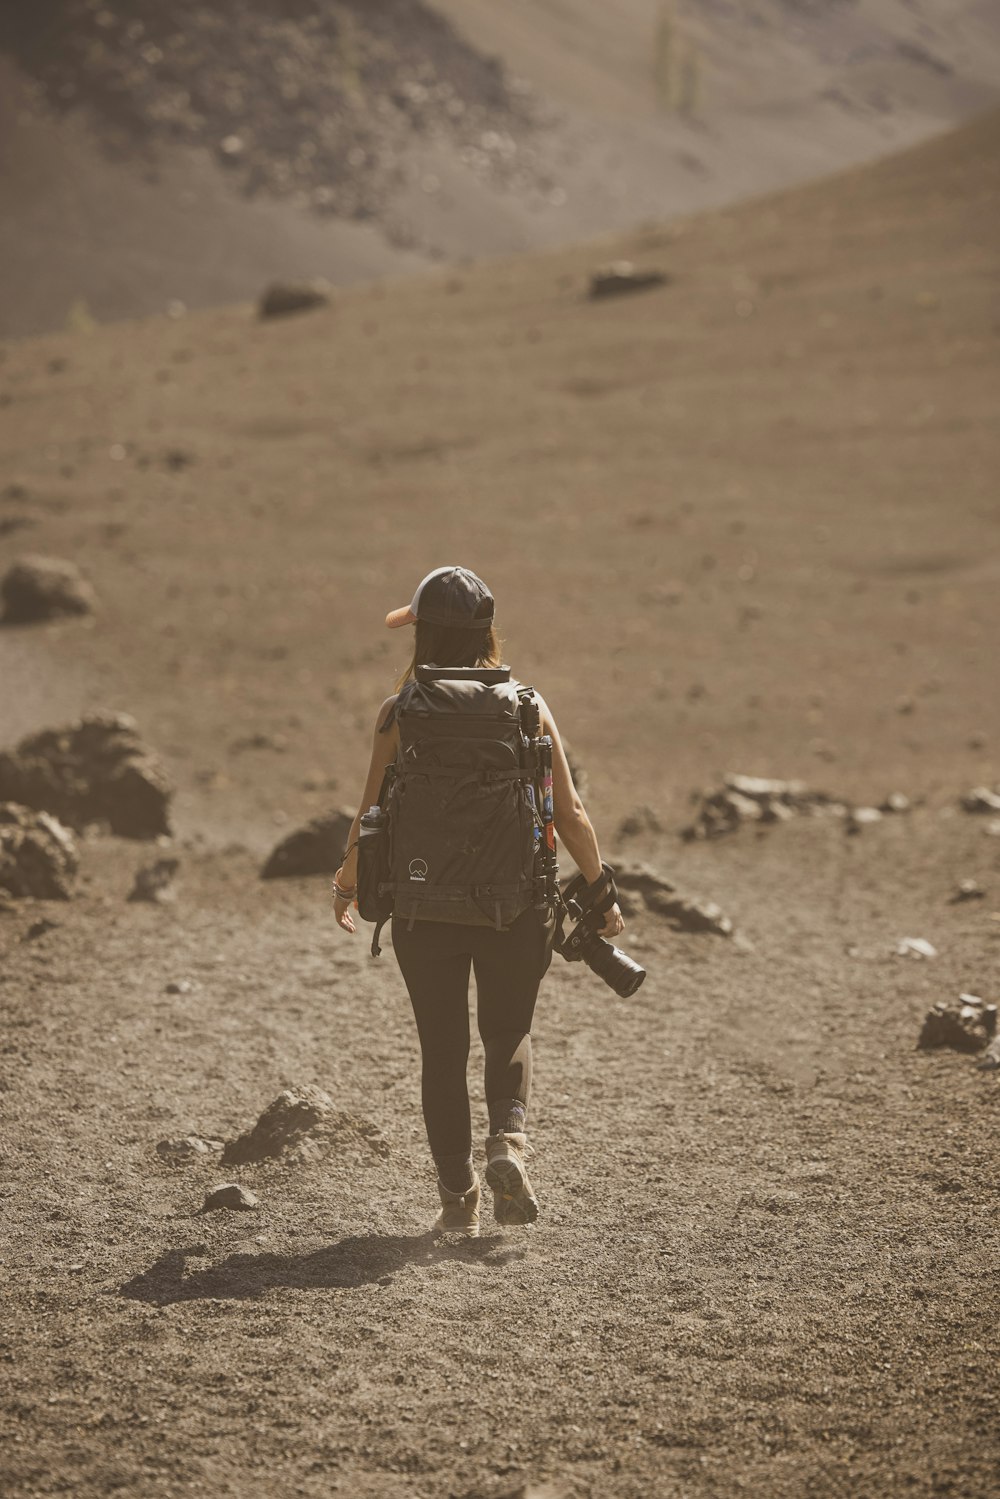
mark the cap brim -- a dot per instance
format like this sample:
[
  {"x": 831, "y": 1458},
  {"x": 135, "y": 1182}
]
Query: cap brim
[{"x": 398, "y": 617}]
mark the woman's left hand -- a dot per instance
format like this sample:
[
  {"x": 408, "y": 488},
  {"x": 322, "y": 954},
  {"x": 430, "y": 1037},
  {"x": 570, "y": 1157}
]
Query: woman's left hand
[{"x": 342, "y": 908}]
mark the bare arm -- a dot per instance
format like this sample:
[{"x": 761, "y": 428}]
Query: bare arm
[
  {"x": 384, "y": 747},
  {"x": 573, "y": 827}
]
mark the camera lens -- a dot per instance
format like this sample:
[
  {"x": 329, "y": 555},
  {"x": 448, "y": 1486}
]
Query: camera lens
[{"x": 617, "y": 970}]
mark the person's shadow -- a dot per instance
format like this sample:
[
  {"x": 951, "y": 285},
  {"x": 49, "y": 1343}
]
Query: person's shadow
[{"x": 356, "y": 1261}]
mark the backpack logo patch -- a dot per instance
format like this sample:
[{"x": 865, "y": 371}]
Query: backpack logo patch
[{"x": 418, "y": 869}]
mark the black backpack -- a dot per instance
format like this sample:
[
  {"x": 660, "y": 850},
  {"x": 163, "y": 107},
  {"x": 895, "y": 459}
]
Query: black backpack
[{"x": 459, "y": 834}]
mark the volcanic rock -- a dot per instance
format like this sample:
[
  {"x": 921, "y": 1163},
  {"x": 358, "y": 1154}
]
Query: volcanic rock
[
  {"x": 641, "y": 820},
  {"x": 661, "y": 897},
  {"x": 40, "y": 588},
  {"x": 284, "y": 297},
  {"x": 990, "y": 1059},
  {"x": 967, "y": 1023},
  {"x": 981, "y": 799},
  {"x": 620, "y": 277},
  {"x": 155, "y": 882},
  {"x": 187, "y": 1148},
  {"x": 743, "y": 799},
  {"x": 38, "y": 855},
  {"x": 94, "y": 771},
  {"x": 317, "y": 848},
  {"x": 301, "y": 1125},
  {"x": 230, "y": 1195}
]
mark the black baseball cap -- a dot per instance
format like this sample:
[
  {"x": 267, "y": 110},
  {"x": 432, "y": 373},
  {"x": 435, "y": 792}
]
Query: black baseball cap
[{"x": 450, "y": 596}]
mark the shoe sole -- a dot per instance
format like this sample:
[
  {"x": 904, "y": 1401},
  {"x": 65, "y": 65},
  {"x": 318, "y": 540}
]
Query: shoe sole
[{"x": 514, "y": 1202}]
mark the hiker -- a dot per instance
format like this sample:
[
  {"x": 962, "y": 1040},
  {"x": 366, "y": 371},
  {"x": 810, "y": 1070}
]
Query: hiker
[{"x": 456, "y": 711}]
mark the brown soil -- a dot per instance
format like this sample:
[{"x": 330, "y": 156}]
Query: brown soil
[{"x": 744, "y": 522}]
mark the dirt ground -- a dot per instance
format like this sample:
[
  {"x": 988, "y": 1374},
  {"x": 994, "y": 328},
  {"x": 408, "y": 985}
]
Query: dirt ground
[{"x": 746, "y": 522}]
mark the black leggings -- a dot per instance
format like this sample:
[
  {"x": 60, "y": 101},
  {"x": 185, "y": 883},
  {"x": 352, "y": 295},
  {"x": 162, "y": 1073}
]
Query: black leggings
[{"x": 435, "y": 959}]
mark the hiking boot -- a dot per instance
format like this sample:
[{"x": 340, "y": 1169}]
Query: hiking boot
[
  {"x": 459, "y": 1212},
  {"x": 514, "y": 1200}
]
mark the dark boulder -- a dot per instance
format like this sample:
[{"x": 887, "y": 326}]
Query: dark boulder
[
  {"x": 38, "y": 856},
  {"x": 94, "y": 771},
  {"x": 284, "y": 297},
  {"x": 317, "y": 848},
  {"x": 40, "y": 588},
  {"x": 621, "y": 277},
  {"x": 967, "y": 1023}
]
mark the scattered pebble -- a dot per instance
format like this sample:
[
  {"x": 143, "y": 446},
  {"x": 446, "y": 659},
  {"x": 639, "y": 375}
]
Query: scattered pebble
[
  {"x": 230, "y": 1195},
  {"x": 981, "y": 799},
  {"x": 284, "y": 297},
  {"x": 916, "y": 947},
  {"x": 967, "y": 890},
  {"x": 187, "y": 1148},
  {"x": 155, "y": 882},
  {"x": 621, "y": 277}
]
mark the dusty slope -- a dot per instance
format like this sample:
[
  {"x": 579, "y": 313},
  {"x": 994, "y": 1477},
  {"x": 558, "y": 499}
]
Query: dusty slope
[
  {"x": 748, "y": 520},
  {"x": 650, "y": 109}
]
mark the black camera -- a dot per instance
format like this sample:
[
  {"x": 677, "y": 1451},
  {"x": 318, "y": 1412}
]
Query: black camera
[{"x": 588, "y": 905}]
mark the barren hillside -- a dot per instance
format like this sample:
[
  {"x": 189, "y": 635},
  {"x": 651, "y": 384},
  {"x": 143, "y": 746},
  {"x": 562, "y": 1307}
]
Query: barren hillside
[{"x": 154, "y": 155}]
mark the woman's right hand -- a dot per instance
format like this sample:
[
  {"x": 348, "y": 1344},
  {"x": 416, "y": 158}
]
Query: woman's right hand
[{"x": 614, "y": 923}]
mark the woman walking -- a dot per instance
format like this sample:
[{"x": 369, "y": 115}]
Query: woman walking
[{"x": 451, "y": 727}]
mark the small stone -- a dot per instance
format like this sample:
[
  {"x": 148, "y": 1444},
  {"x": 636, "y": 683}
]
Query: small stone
[
  {"x": 39, "y": 928},
  {"x": 967, "y": 890},
  {"x": 41, "y": 588},
  {"x": 896, "y": 802},
  {"x": 981, "y": 799},
  {"x": 230, "y": 1195},
  {"x": 992, "y": 829},
  {"x": 180, "y": 986},
  {"x": 284, "y": 297},
  {"x": 155, "y": 882},
  {"x": 916, "y": 947},
  {"x": 620, "y": 277},
  {"x": 861, "y": 817},
  {"x": 186, "y": 1148}
]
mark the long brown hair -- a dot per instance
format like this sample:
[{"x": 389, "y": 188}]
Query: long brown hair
[{"x": 440, "y": 646}]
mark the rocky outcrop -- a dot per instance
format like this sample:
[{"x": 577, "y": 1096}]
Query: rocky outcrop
[
  {"x": 316, "y": 848},
  {"x": 642, "y": 887},
  {"x": 95, "y": 771},
  {"x": 41, "y": 588},
  {"x": 38, "y": 856}
]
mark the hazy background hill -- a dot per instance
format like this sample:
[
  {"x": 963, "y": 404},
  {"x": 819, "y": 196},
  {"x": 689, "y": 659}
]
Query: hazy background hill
[{"x": 153, "y": 154}]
